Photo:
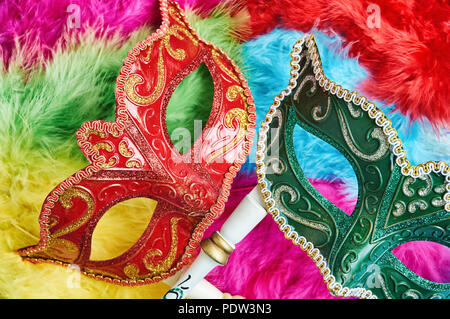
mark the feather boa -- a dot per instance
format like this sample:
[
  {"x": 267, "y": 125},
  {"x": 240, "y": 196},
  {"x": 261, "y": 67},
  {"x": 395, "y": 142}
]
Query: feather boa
[
  {"x": 404, "y": 45},
  {"x": 285, "y": 271},
  {"x": 54, "y": 78},
  {"x": 44, "y": 99}
]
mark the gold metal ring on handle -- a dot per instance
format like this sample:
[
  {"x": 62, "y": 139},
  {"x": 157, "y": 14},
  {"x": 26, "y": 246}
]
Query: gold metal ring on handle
[{"x": 217, "y": 248}]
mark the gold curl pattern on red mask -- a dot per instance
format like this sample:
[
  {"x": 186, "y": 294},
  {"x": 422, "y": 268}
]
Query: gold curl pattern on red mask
[
  {"x": 124, "y": 150},
  {"x": 165, "y": 264},
  {"x": 66, "y": 202},
  {"x": 242, "y": 117},
  {"x": 176, "y": 31},
  {"x": 158, "y": 268},
  {"x": 134, "y": 80}
]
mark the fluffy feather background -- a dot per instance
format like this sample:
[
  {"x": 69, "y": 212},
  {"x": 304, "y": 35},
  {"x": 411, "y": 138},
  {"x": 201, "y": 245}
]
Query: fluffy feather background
[
  {"x": 44, "y": 98},
  {"x": 53, "y": 79},
  {"x": 407, "y": 55},
  {"x": 284, "y": 271}
]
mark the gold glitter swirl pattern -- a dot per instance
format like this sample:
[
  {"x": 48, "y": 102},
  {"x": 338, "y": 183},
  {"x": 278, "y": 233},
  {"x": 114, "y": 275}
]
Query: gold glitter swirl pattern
[
  {"x": 89, "y": 132},
  {"x": 124, "y": 150},
  {"x": 175, "y": 15},
  {"x": 179, "y": 54},
  {"x": 103, "y": 146},
  {"x": 175, "y": 30},
  {"x": 146, "y": 58},
  {"x": 164, "y": 265},
  {"x": 110, "y": 163},
  {"x": 233, "y": 92},
  {"x": 134, "y": 79},
  {"x": 66, "y": 202},
  {"x": 242, "y": 118},
  {"x": 132, "y": 271},
  {"x": 52, "y": 221}
]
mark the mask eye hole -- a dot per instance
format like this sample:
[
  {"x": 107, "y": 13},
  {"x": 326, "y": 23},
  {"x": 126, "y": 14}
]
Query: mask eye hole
[
  {"x": 189, "y": 108},
  {"x": 326, "y": 169},
  {"x": 426, "y": 259},
  {"x": 121, "y": 227}
]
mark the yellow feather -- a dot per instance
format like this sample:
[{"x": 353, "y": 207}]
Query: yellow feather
[{"x": 24, "y": 183}]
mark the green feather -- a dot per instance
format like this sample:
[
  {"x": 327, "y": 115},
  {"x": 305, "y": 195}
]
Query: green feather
[
  {"x": 192, "y": 100},
  {"x": 42, "y": 108}
]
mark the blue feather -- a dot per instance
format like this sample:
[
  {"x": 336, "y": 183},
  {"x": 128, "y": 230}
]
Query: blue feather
[{"x": 267, "y": 61}]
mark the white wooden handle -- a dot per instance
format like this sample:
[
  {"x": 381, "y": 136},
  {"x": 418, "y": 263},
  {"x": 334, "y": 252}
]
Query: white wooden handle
[{"x": 215, "y": 250}]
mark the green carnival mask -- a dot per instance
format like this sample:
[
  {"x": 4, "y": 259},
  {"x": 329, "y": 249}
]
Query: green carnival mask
[{"x": 397, "y": 202}]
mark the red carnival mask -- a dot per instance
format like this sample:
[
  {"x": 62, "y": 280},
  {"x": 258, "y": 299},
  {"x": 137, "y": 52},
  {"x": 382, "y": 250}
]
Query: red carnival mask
[{"x": 134, "y": 157}]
